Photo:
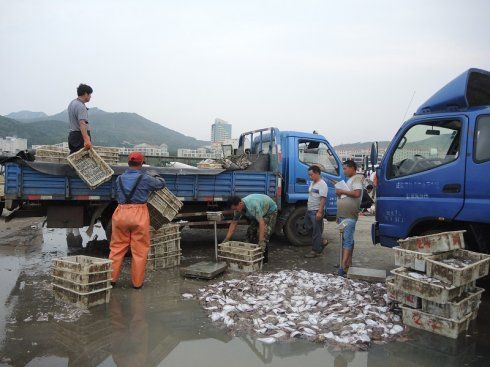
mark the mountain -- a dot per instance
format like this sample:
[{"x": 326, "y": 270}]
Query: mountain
[
  {"x": 362, "y": 145},
  {"x": 107, "y": 128},
  {"x": 51, "y": 132},
  {"x": 26, "y": 115}
]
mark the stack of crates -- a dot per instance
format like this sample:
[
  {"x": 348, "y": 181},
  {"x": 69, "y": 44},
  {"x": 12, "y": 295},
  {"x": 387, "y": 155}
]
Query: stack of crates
[
  {"x": 163, "y": 207},
  {"x": 109, "y": 154},
  {"x": 241, "y": 256},
  {"x": 165, "y": 249},
  {"x": 52, "y": 154},
  {"x": 436, "y": 283},
  {"x": 82, "y": 280}
]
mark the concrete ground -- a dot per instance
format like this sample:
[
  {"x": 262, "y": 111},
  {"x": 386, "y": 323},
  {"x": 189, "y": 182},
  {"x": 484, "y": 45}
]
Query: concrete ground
[{"x": 156, "y": 327}]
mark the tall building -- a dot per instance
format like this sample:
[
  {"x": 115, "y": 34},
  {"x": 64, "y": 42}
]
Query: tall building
[{"x": 220, "y": 131}]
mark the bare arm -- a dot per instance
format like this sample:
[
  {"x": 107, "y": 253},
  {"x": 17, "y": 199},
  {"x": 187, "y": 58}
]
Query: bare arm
[
  {"x": 231, "y": 230},
  {"x": 261, "y": 229},
  {"x": 321, "y": 209},
  {"x": 86, "y": 138}
]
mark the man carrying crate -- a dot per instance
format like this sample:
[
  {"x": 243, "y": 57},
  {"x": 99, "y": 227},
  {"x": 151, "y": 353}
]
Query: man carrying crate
[
  {"x": 261, "y": 211},
  {"x": 79, "y": 136},
  {"x": 131, "y": 220}
]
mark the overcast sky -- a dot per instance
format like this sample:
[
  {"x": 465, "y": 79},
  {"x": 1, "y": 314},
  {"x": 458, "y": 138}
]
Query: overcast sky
[{"x": 345, "y": 68}]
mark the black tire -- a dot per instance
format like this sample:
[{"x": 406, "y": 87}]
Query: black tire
[
  {"x": 295, "y": 229},
  {"x": 2, "y": 206}
]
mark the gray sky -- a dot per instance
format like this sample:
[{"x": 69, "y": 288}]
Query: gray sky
[{"x": 345, "y": 68}]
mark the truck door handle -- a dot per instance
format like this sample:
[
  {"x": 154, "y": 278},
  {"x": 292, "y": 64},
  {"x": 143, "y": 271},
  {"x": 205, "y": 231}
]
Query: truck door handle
[
  {"x": 451, "y": 188},
  {"x": 301, "y": 181}
]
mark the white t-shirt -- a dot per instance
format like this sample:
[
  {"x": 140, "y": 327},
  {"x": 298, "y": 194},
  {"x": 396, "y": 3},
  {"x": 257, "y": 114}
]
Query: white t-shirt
[{"x": 316, "y": 191}]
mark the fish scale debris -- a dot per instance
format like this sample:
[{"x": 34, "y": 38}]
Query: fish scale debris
[{"x": 299, "y": 304}]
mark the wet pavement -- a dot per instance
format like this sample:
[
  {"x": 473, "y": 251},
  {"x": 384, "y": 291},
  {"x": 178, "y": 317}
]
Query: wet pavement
[{"x": 156, "y": 327}]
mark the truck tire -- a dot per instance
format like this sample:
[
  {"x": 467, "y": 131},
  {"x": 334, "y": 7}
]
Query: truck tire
[
  {"x": 295, "y": 228},
  {"x": 2, "y": 206}
]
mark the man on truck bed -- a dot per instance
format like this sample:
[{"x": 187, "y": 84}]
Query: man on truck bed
[
  {"x": 131, "y": 220},
  {"x": 261, "y": 210},
  {"x": 79, "y": 136}
]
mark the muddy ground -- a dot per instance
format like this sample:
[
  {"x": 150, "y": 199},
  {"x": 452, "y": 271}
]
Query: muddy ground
[{"x": 155, "y": 327}]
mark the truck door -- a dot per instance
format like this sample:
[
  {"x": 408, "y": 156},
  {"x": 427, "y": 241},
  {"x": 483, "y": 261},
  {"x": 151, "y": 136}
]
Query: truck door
[
  {"x": 316, "y": 152},
  {"x": 477, "y": 190},
  {"x": 422, "y": 175}
]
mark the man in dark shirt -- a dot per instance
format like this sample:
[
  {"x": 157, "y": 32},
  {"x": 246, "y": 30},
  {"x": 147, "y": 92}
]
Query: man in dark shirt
[
  {"x": 79, "y": 136},
  {"x": 131, "y": 220}
]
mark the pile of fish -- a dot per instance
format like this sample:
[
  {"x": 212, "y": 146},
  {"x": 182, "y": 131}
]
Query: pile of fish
[
  {"x": 425, "y": 278},
  {"x": 457, "y": 262},
  {"x": 299, "y": 304}
]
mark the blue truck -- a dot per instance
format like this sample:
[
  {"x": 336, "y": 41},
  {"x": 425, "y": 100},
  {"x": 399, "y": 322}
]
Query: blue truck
[
  {"x": 435, "y": 174},
  {"x": 280, "y": 161}
]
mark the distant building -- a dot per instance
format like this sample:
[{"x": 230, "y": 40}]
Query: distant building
[
  {"x": 198, "y": 153},
  {"x": 12, "y": 145},
  {"x": 148, "y": 150},
  {"x": 220, "y": 131},
  {"x": 358, "y": 155}
]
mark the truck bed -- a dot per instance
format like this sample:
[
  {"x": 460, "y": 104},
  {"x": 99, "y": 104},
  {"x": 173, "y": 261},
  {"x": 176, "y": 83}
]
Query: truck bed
[{"x": 46, "y": 181}]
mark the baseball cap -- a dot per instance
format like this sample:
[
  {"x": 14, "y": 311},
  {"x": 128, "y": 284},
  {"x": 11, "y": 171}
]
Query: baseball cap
[{"x": 136, "y": 157}]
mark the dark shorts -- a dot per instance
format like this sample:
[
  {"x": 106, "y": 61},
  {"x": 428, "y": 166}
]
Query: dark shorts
[{"x": 75, "y": 141}]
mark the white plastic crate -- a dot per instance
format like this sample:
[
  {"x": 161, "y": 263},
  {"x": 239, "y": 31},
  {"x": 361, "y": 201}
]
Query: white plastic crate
[
  {"x": 163, "y": 207},
  {"x": 477, "y": 267},
  {"x": 434, "y": 243},
  {"x": 91, "y": 168},
  {"x": 436, "y": 324}
]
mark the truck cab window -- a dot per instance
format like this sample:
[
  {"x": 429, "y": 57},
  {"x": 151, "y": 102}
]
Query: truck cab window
[
  {"x": 482, "y": 139},
  {"x": 426, "y": 146},
  {"x": 317, "y": 153}
]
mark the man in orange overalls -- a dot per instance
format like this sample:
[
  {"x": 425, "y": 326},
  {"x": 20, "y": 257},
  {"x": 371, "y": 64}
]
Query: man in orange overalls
[{"x": 131, "y": 220}]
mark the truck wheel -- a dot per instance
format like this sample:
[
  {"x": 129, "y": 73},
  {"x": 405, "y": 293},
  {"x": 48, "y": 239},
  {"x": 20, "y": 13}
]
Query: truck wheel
[
  {"x": 2, "y": 205},
  {"x": 295, "y": 228}
]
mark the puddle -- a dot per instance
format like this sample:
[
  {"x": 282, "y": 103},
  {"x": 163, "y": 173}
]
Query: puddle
[{"x": 156, "y": 327}]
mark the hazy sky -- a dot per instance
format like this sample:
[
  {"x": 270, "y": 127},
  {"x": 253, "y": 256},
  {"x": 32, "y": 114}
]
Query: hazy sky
[{"x": 345, "y": 68}]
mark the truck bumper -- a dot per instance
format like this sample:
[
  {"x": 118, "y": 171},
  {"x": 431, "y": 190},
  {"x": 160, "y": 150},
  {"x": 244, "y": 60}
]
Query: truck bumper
[{"x": 375, "y": 233}]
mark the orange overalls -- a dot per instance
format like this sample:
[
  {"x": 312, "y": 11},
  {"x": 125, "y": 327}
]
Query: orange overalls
[{"x": 130, "y": 227}]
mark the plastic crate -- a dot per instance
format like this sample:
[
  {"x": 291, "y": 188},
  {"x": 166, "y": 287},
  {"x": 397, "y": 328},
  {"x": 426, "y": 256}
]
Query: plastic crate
[
  {"x": 90, "y": 167},
  {"x": 79, "y": 287},
  {"x": 241, "y": 256},
  {"x": 434, "y": 243},
  {"x": 163, "y": 251},
  {"x": 398, "y": 296},
  {"x": 82, "y": 299},
  {"x": 163, "y": 262},
  {"x": 82, "y": 264},
  {"x": 410, "y": 259},
  {"x": 458, "y": 276},
  {"x": 163, "y": 207},
  {"x": 456, "y": 309},
  {"x": 242, "y": 251},
  {"x": 438, "y": 292},
  {"x": 51, "y": 160},
  {"x": 82, "y": 278},
  {"x": 436, "y": 324}
]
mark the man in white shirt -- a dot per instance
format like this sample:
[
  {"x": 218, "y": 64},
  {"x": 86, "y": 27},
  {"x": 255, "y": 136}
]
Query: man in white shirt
[
  {"x": 317, "y": 199},
  {"x": 348, "y": 203}
]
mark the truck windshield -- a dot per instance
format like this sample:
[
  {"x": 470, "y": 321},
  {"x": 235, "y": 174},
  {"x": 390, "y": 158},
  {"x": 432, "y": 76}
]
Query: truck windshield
[
  {"x": 317, "y": 153},
  {"x": 425, "y": 146}
]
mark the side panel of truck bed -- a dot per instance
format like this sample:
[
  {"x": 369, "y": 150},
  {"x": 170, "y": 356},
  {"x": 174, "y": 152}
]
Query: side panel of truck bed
[{"x": 25, "y": 183}]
